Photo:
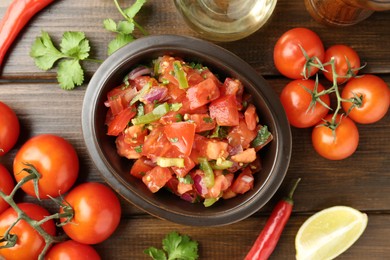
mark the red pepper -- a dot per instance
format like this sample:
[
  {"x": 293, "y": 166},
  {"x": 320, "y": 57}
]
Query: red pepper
[
  {"x": 16, "y": 17},
  {"x": 269, "y": 236}
]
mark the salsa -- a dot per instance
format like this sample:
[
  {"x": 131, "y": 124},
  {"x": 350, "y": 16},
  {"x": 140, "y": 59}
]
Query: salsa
[{"x": 187, "y": 130}]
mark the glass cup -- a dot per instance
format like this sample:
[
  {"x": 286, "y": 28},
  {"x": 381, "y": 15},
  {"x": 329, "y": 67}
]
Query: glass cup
[
  {"x": 344, "y": 12},
  {"x": 225, "y": 20}
]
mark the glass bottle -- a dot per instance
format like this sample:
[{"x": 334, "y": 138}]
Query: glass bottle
[
  {"x": 344, "y": 12},
  {"x": 225, "y": 20}
]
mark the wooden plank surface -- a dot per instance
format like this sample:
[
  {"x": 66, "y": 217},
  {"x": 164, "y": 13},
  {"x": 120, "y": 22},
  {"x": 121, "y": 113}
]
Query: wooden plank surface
[{"x": 361, "y": 181}]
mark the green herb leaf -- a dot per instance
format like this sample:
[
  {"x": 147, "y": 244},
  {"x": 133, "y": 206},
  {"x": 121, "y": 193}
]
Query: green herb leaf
[
  {"x": 155, "y": 253},
  {"x": 175, "y": 246},
  {"x": 44, "y": 53},
  {"x": 70, "y": 74},
  {"x": 74, "y": 44},
  {"x": 74, "y": 47},
  {"x": 262, "y": 137},
  {"x": 134, "y": 9},
  {"x": 110, "y": 25},
  {"x": 119, "y": 41},
  {"x": 125, "y": 27}
]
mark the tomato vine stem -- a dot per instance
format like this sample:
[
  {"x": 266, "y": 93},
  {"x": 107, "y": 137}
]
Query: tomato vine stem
[{"x": 9, "y": 239}]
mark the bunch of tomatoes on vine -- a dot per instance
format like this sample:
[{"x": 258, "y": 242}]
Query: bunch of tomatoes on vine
[
  {"x": 299, "y": 54},
  {"x": 46, "y": 167}
]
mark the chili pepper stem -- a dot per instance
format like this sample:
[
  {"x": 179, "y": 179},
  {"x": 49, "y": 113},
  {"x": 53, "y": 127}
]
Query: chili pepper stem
[{"x": 289, "y": 197}]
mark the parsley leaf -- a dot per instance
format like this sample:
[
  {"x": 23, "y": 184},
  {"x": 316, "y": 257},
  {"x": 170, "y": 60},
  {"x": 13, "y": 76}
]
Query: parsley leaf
[
  {"x": 74, "y": 48},
  {"x": 119, "y": 41},
  {"x": 175, "y": 246}
]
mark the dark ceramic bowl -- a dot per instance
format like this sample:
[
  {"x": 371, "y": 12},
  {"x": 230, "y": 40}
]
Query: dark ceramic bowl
[{"x": 115, "y": 169}]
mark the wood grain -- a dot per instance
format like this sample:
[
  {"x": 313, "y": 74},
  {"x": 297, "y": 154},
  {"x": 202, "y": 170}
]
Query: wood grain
[{"x": 361, "y": 181}]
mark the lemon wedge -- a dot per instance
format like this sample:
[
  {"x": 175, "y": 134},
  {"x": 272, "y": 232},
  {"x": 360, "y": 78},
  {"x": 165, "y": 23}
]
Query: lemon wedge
[{"x": 329, "y": 232}]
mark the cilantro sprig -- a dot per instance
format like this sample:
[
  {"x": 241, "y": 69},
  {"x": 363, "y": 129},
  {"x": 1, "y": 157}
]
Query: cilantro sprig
[
  {"x": 74, "y": 47},
  {"x": 124, "y": 29},
  {"x": 175, "y": 246}
]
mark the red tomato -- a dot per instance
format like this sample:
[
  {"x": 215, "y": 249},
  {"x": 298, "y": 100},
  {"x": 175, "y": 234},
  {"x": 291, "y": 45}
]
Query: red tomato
[
  {"x": 346, "y": 61},
  {"x": 202, "y": 93},
  {"x": 224, "y": 111},
  {"x": 375, "y": 99},
  {"x": 181, "y": 135},
  {"x": 120, "y": 121},
  {"x": 203, "y": 122},
  {"x": 9, "y": 128},
  {"x": 140, "y": 167},
  {"x": 338, "y": 145},
  {"x": 56, "y": 161},
  {"x": 296, "y": 101},
  {"x": 288, "y": 56},
  {"x": 241, "y": 135},
  {"x": 243, "y": 182},
  {"x": 72, "y": 250},
  {"x": 30, "y": 243},
  {"x": 156, "y": 178},
  {"x": 156, "y": 144},
  {"x": 97, "y": 213},
  {"x": 251, "y": 118},
  {"x": 6, "y": 186}
]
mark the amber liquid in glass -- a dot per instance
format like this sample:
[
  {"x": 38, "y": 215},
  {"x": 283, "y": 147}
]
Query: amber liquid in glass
[{"x": 344, "y": 12}]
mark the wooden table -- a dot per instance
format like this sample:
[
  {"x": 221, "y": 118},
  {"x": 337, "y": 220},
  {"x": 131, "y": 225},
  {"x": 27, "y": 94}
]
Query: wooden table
[{"x": 361, "y": 181}]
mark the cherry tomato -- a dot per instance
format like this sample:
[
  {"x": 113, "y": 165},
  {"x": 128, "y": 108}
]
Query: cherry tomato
[
  {"x": 72, "y": 250},
  {"x": 9, "y": 128},
  {"x": 29, "y": 242},
  {"x": 56, "y": 161},
  {"x": 346, "y": 61},
  {"x": 375, "y": 99},
  {"x": 97, "y": 213},
  {"x": 338, "y": 145},
  {"x": 296, "y": 101},
  {"x": 6, "y": 186},
  {"x": 288, "y": 56}
]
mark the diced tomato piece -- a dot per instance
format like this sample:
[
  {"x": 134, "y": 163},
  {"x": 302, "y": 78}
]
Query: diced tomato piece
[
  {"x": 135, "y": 134},
  {"x": 156, "y": 178},
  {"x": 156, "y": 144},
  {"x": 170, "y": 117},
  {"x": 199, "y": 147},
  {"x": 228, "y": 194},
  {"x": 189, "y": 164},
  {"x": 125, "y": 149},
  {"x": 172, "y": 185},
  {"x": 229, "y": 180},
  {"x": 221, "y": 183},
  {"x": 216, "y": 149},
  {"x": 203, "y": 122},
  {"x": 141, "y": 81},
  {"x": 224, "y": 111},
  {"x": 251, "y": 118},
  {"x": 202, "y": 93},
  {"x": 187, "y": 109},
  {"x": 119, "y": 98},
  {"x": 243, "y": 182},
  {"x": 183, "y": 187},
  {"x": 119, "y": 123},
  {"x": 246, "y": 156},
  {"x": 193, "y": 76},
  {"x": 175, "y": 93},
  {"x": 241, "y": 135},
  {"x": 207, "y": 74},
  {"x": 181, "y": 135},
  {"x": 233, "y": 87},
  {"x": 140, "y": 167}
]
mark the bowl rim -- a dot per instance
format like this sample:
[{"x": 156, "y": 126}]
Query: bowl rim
[{"x": 174, "y": 43}]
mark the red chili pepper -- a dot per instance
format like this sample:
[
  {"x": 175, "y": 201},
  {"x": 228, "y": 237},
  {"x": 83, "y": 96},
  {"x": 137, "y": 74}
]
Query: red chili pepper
[
  {"x": 269, "y": 236},
  {"x": 16, "y": 17}
]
